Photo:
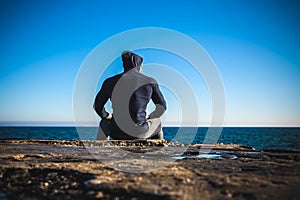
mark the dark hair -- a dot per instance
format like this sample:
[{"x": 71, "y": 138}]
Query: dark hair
[{"x": 131, "y": 60}]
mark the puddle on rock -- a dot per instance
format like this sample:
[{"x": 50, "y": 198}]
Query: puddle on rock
[{"x": 214, "y": 155}]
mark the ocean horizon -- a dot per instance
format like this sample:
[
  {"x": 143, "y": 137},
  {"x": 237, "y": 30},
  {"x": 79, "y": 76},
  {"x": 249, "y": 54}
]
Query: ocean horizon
[{"x": 260, "y": 138}]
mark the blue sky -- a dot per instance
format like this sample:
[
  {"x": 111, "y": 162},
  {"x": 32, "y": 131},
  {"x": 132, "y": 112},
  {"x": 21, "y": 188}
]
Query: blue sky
[{"x": 254, "y": 44}]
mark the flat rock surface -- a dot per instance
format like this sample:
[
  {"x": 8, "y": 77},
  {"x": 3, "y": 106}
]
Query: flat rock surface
[{"x": 144, "y": 169}]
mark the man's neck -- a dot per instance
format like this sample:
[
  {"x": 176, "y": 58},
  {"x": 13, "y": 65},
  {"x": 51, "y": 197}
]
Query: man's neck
[{"x": 133, "y": 70}]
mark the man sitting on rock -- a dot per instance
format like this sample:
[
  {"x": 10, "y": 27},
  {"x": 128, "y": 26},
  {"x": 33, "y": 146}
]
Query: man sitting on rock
[{"x": 129, "y": 93}]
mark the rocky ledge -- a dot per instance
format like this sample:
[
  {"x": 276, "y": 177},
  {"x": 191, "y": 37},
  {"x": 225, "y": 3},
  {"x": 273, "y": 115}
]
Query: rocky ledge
[{"x": 144, "y": 169}]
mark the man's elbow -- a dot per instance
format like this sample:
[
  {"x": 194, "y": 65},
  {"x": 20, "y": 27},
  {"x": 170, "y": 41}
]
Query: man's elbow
[
  {"x": 95, "y": 108},
  {"x": 165, "y": 107},
  {"x": 161, "y": 108}
]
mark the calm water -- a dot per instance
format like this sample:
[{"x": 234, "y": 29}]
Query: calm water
[{"x": 259, "y": 138}]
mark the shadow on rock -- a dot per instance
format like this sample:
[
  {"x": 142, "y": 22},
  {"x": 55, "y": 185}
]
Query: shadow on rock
[{"x": 18, "y": 183}]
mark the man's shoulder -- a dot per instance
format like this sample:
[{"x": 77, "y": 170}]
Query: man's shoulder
[
  {"x": 149, "y": 78},
  {"x": 113, "y": 78}
]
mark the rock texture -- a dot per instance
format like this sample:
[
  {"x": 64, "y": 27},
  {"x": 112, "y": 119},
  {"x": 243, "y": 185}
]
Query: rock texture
[{"x": 44, "y": 169}]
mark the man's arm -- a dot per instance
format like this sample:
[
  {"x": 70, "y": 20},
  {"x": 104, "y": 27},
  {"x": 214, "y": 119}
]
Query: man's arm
[
  {"x": 100, "y": 101},
  {"x": 159, "y": 101}
]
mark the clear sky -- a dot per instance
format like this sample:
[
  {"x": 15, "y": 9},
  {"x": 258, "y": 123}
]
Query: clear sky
[{"x": 255, "y": 44}]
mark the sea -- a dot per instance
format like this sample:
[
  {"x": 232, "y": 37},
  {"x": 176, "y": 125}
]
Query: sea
[{"x": 260, "y": 138}]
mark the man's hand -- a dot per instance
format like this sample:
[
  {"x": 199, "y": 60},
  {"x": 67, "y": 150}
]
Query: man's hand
[{"x": 109, "y": 116}]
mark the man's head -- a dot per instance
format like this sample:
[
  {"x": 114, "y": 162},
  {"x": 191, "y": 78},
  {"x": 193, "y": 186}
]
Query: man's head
[{"x": 131, "y": 60}]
